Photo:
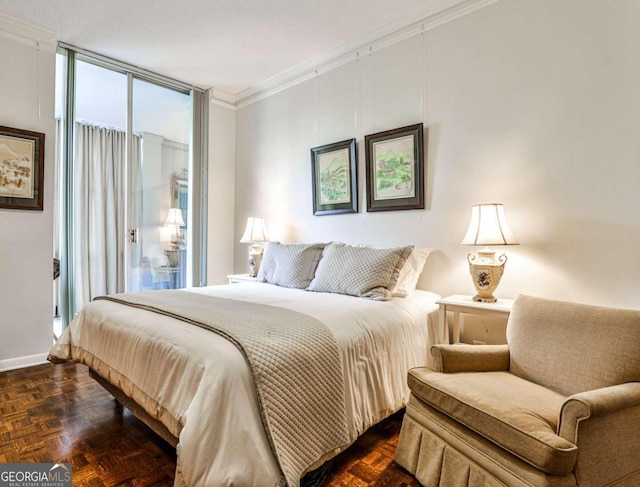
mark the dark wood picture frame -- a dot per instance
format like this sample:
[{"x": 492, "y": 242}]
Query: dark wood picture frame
[
  {"x": 21, "y": 169},
  {"x": 334, "y": 171},
  {"x": 395, "y": 169}
]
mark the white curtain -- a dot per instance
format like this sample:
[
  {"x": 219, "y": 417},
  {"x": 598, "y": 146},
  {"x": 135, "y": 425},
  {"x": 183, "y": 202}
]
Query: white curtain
[{"x": 99, "y": 193}]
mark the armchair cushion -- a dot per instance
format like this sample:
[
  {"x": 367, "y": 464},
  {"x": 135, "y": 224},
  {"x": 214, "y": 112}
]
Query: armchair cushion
[{"x": 518, "y": 415}]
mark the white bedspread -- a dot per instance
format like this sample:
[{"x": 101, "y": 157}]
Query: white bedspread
[{"x": 198, "y": 384}]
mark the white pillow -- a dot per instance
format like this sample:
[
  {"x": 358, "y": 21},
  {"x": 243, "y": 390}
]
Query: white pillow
[
  {"x": 359, "y": 271},
  {"x": 290, "y": 265},
  {"x": 410, "y": 273}
]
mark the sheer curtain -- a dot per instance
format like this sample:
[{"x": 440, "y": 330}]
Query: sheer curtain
[{"x": 99, "y": 210}]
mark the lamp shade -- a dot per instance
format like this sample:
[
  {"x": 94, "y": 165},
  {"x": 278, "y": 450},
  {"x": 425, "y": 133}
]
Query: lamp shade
[
  {"x": 175, "y": 217},
  {"x": 488, "y": 226},
  {"x": 256, "y": 231}
]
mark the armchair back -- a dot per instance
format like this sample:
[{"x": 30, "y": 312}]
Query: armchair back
[{"x": 571, "y": 348}]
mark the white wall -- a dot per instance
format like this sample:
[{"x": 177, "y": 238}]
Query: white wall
[
  {"x": 530, "y": 103},
  {"x": 26, "y": 248},
  {"x": 220, "y": 236}
]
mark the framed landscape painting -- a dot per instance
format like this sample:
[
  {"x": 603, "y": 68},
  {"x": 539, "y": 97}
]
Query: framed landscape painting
[
  {"x": 335, "y": 181},
  {"x": 395, "y": 169},
  {"x": 21, "y": 169}
]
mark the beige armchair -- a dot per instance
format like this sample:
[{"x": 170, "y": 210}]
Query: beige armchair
[{"x": 558, "y": 406}]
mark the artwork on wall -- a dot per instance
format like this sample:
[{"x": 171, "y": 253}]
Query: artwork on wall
[
  {"x": 180, "y": 193},
  {"x": 21, "y": 169},
  {"x": 335, "y": 181},
  {"x": 395, "y": 169}
]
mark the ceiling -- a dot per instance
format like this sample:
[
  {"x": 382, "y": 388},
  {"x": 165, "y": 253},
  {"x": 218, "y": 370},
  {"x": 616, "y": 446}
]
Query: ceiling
[{"x": 229, "y": 45}]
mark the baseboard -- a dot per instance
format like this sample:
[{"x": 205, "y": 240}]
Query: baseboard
[{"x": 21, "y": 362}]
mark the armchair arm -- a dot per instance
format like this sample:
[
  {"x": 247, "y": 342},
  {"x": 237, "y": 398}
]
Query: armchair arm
[
  {"x": 598, "y": 402},
  {"x": 470, "y": 358},
  {"x": 602, "y": 423}
]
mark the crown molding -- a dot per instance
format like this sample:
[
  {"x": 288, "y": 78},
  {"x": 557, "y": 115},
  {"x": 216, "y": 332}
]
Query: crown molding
[
  {"x": 25, "y": 33},
  {"x": 351, "y": 52},
  {"x": 222, "y": 98}
]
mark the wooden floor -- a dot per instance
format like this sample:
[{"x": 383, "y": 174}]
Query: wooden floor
[{"x": 57, "y": 413}]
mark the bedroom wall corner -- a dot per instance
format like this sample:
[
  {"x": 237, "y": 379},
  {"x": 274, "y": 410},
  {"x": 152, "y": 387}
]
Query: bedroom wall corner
[
  {"x": 221, "y": 193},
  {"x": 26, "y": 237}
]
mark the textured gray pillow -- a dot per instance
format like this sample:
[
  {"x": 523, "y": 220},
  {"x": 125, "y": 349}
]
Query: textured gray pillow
[
  {"x": 290, "y": 265},
  {"x": 359, "y": 271}
]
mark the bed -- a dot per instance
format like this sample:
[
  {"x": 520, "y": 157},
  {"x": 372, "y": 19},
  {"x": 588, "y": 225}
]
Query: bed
[{"x": 198, "y": 389}]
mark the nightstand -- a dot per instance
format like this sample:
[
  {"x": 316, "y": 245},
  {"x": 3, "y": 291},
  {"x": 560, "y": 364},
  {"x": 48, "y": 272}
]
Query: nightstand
[
  {"x": 236, "y": 278},
  {"x": 465, "y": 304}
]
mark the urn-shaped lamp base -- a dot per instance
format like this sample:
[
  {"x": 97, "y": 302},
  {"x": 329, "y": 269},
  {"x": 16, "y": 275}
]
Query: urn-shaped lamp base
[
  {"x": 486, "y": 271},
  {"x": 255, "y": 259}
]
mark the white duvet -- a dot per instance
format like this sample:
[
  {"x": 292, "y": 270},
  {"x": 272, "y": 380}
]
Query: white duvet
[{"x": 199, "y": 385}]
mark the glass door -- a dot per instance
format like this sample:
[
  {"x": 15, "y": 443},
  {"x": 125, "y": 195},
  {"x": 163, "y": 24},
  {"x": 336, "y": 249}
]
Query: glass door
[
  {"x": 159, "y": 209},
  {"x": 129, "y": 220}
]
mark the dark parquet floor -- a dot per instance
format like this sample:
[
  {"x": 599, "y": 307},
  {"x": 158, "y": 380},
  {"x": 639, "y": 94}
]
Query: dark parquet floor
[{"x": 57, "y": 413}]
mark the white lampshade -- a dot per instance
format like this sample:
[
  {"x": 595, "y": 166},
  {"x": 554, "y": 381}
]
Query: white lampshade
[
  {"x": 175, "y": 217},
  {"x": 256, "y": 231},
  {"x": 488, "y": 226}
]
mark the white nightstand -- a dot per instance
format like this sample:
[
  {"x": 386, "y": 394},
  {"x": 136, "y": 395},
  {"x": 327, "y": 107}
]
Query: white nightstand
[
  {"x": 235, "y": 278},
  {"x": 465, "y": 304}
]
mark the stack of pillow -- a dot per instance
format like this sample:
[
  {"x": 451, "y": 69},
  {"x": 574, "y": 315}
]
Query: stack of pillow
[{"x": 366, "y": 272}]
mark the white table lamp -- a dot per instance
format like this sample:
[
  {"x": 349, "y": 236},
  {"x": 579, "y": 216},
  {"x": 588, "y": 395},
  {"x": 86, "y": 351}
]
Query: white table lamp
[
  {"x": 174, "y": 221},
  {"x": 488, "y": 226},
  {"x": 255, "y": 233}
]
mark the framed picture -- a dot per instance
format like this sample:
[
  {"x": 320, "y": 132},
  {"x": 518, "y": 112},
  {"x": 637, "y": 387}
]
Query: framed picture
[
  {"x": 335, "y": 181},
  {"x": 395, "y": 169},
  {"x": 21, "y": 169}
]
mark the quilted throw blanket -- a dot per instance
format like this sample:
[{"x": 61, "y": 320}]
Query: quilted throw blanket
[{"x": 295, "y": 363}]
